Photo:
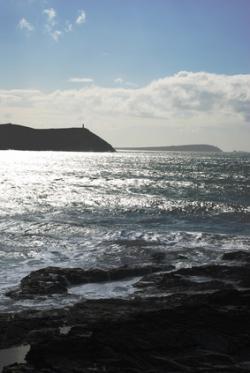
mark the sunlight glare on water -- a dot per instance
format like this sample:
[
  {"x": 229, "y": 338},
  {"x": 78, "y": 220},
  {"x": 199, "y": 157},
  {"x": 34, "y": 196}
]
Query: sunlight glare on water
[{"x": 108, "y": 210}]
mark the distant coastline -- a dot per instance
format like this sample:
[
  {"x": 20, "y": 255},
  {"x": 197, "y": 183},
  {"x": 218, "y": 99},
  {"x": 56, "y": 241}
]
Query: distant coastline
[{"x": 177, "y": 148}]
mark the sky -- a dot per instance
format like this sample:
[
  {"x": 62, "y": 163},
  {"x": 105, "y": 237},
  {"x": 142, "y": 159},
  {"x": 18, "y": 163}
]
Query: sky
[{"x": 136, "y": 72}]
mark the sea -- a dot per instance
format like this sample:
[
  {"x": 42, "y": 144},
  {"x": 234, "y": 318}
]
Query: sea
[{"x": 109, "y": 210}]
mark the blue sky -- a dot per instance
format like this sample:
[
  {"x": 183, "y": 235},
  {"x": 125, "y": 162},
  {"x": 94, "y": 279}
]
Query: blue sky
[
  {"x": 139, "y": 40},
  {"x": 85, "y": 45}
]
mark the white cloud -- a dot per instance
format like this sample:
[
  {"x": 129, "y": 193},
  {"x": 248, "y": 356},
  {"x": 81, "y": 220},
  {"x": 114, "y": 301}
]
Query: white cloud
[
  {"x": 68, "y": 27},
  {"x": 118, "y": 80},
  {"x": 131, "y": 84},
  {"x": 189, "y": 102},
  {"x": 51, "y": 23},
  {"x": 81, "y": 18},
  {"x": 81, "y": 80},
  {"x": 51, "y": 15},
  {"x": 25, "y": 25},
  {"x": 56, "y": 34},
  {"x": 121, "y": 81},
  {"x": 184, "y": 95}
]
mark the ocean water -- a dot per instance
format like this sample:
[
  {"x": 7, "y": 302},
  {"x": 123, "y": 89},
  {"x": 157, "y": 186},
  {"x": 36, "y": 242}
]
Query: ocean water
[{"x": 109, "y": 210}]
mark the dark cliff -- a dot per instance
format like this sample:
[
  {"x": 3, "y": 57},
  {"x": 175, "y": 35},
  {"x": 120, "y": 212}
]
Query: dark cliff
[{"x": 13, "y": 136}]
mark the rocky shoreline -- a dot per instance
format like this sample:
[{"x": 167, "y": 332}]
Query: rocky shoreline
[{"x": 178, "y": 320}]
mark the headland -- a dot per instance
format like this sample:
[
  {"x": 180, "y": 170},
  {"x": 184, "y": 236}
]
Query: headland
[{"x": 18, "y": 137}]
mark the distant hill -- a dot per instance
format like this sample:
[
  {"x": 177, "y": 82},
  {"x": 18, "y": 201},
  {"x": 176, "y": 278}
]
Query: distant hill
[
  {"x": 178, "y": 148},
  {"x": 13, "y": 136}
]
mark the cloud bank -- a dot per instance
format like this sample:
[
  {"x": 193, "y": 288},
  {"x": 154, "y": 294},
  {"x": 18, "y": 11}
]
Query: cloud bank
[
  {"x": 185, "y": 100},
  {"x": 81, "y": 80}
]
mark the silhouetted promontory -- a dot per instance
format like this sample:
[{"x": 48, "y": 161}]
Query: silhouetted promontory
[
  {"x": 179, "y": 148},
  {"x": 17, "y": 137}
]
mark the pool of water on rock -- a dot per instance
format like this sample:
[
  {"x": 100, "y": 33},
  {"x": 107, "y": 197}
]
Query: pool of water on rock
[{"x": 13, "y": 355}]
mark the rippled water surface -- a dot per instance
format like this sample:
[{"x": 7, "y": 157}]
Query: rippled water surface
[{"x": 108, "y": 210}]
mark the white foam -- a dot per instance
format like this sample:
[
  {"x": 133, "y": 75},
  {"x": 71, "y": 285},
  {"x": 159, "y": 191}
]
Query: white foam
[{"x": 112, "y": 289}]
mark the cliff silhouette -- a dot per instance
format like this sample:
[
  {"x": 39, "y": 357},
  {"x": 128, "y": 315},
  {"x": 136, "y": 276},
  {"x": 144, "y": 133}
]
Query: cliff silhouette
[{"x": 17, "y": 137}]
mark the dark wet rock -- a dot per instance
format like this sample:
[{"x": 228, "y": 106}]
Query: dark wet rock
[
  {"x": 56, "y": 280},
  {"x": 174, "y": 283},
  {"x": 238, "y": 275},
  {"x": 238, "y": 256},
  {"x": 20, "y": 368},
  {"x": 176, "y": 334},
  {"x": 231, "y": 296},
  {"x": 196, "y": 279},
  {"x": 44, "y": 334},
  {"x": 15, "y": 328},
  {"x": 202, "y": 326},
  {"x": 158, "y": 256},
  {"x": 39, "y": 283}
]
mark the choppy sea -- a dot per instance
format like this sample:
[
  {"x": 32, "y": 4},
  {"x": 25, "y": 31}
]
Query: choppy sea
[{"x": 109, "y": 210}]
